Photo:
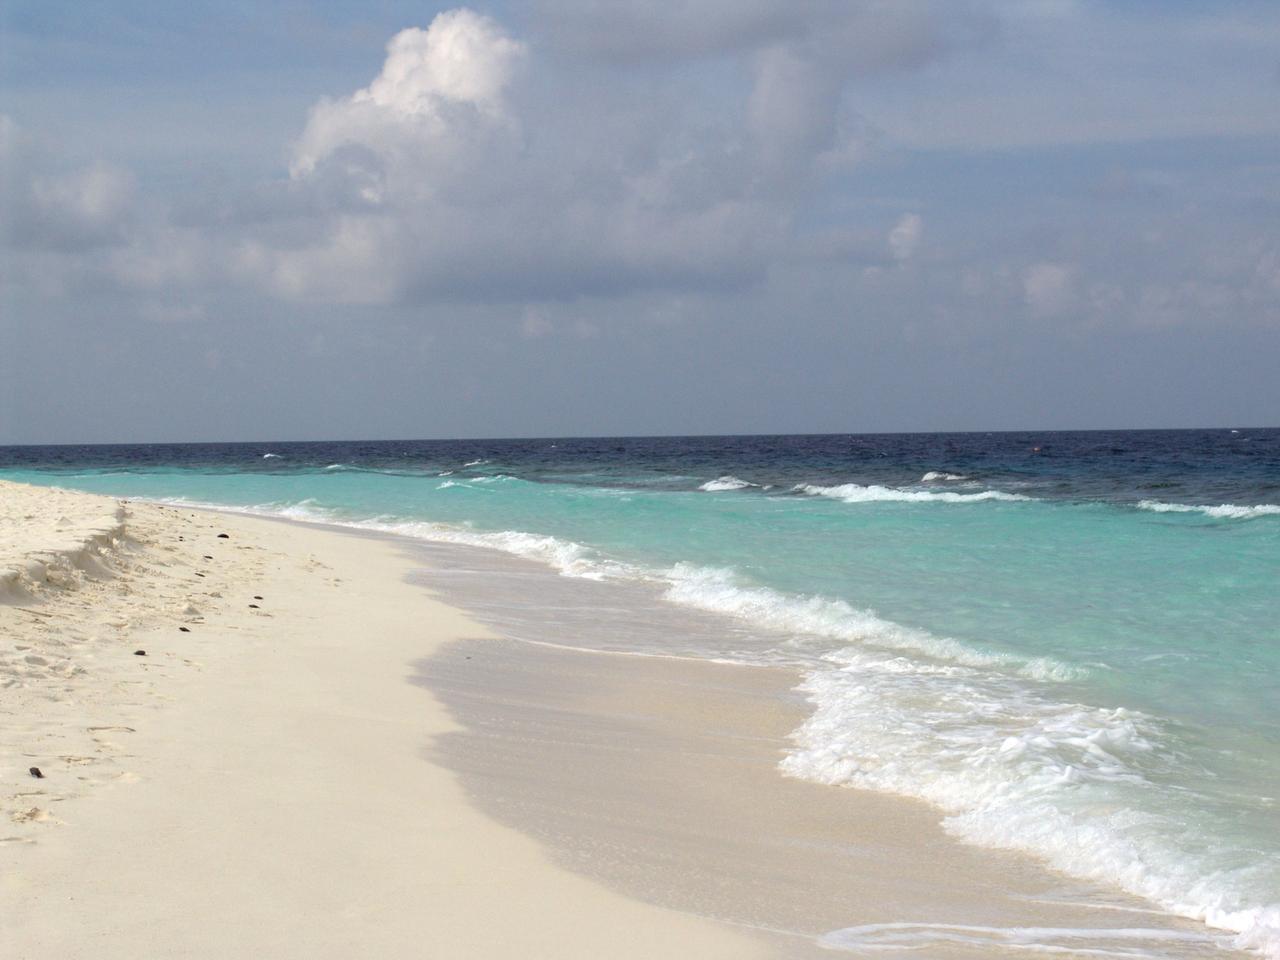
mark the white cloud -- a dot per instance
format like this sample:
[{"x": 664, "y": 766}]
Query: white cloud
[
  {"x": 430, "y": 183},
  {"x": 52, "y": 205},
  {"x": 433, "y": 82},
  {"x": 904, "y": 238},
  {"x": 1049, "y": 288},
  {"x": 535, "y": 324},
  {"x": 792, "y": 111},
  {"x": 93, "y": 196},
  {"x": 443, "y": 179}
]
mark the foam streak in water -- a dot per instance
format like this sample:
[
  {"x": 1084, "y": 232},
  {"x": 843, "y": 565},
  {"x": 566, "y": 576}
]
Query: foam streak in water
[{"x": 1100, "y": 942}]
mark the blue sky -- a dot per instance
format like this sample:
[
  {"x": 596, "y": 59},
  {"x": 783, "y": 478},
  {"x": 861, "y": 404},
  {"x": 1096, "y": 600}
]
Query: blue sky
[{"x": 577, "y": 217}]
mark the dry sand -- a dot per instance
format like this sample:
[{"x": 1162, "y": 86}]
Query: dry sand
[{"x": 256, "y": 786}]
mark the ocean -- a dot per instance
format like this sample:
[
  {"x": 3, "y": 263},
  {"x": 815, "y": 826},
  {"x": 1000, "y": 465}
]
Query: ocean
[{"x": 1068, "y": 642}]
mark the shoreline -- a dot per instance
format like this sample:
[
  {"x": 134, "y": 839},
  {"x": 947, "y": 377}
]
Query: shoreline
[
  {"x": 661, "y": 781},
  {"x": 271, "y": 798},
  {"x": 374, "y": 762}
]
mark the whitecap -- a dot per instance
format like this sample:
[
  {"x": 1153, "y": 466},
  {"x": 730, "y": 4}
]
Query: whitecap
[
  {"x": 1224, "y": 511},
  {"x": 874, "y": 493},
  {"x": 725, "y": 483}
]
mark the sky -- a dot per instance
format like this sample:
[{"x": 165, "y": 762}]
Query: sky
[{"x": 381, "y": 219}]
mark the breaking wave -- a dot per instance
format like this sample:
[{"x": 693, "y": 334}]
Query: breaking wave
[
  {"x": 726, "y": 483},
  {"x": 1013, "y": 767},
  {"x": 1224, "y": 511},
  {"x": 874, "y": 493}
]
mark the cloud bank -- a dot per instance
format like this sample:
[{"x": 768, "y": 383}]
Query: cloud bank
[
  {"x": 440, "y": 180},
  {"x": 800, "y": 200}
]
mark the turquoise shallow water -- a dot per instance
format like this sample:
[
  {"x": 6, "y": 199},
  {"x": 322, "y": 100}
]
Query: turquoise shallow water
[{"x": 1074, "y": 653}]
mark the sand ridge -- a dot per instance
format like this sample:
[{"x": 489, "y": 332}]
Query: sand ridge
[{"x": 89, "y": 582}]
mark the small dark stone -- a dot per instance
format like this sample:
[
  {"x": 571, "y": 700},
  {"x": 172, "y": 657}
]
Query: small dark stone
[
  {"x": 199, "y": 574},
  {"x": 253, "y": 606},
  {"x": 184, "y": 629},
  {"x": 256, "y": 597},
  {"x": 224, "y": 536},
  {"x": 139, "y": 653},
  {"x": 207, "y": 557},
  {"x": 35, "y": 772}
]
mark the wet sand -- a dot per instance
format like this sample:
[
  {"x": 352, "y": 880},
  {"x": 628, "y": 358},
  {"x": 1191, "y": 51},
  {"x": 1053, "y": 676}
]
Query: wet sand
[{"x": 657, "y": 778}]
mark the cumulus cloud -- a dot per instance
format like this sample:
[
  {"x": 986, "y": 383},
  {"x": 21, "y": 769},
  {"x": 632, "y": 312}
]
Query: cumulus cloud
[
  {"x": 434, "y": 85},
  {"x": 430, "y": 183},
  {"x": 444, "y": 179}
]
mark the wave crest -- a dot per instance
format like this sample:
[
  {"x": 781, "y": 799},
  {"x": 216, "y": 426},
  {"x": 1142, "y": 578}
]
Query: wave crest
[
  {"x": 1224, "y": 511},
  {"x": 726, "y": 483},
  {"x": 874, "y": 493}
]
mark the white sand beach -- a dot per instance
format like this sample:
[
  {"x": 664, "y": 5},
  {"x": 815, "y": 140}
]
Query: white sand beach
[
  {"x": 256, "y": 785},
  {"x": 262, "y": 738}
]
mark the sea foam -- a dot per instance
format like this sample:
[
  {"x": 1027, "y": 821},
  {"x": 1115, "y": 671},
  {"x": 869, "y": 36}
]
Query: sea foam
[
  {"x": 1013, "y": 767},
  {"x": 726, "y": 483},
  {"x": 1128, "y": 943},
  {"x": 1224, "y": 511},
  {"x": 874, "y": 493}
]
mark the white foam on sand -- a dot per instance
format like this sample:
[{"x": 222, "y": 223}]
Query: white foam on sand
[{"x": 1136, "y": 943}]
